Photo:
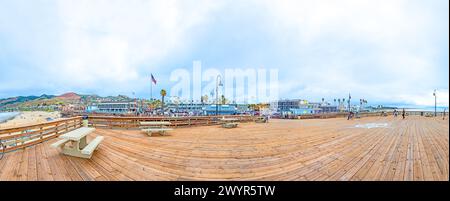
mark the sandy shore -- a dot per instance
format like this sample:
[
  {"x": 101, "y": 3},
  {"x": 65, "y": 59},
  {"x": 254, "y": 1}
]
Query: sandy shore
[{"x": 29, "y": 118}]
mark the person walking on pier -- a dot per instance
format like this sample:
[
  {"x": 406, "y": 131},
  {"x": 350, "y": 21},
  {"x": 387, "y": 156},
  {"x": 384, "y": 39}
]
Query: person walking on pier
[
  {"x": 403, "y": 113},
  {"x": 350, "y": 115}
]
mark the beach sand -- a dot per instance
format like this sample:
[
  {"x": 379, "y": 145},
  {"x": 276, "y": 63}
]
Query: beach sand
[{"x": 29, "y": 118}]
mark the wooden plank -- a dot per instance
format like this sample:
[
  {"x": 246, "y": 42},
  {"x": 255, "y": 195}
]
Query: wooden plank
[
  {"x": 56, "y": 164},
  {"x": 22, "y": 170},
  {"x": 32, "y": 164},
  {"x": 318, "y": 149},
  {"x": 69, "y": 168},
  {"x": 43, "y": 168},
  {"x": 7, "y": 172}
]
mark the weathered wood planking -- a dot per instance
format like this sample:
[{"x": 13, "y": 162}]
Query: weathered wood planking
[{"x": 317, "y": 149}]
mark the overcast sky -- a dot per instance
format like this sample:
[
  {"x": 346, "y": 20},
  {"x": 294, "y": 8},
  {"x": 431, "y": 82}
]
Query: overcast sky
[{"x": 386, "y": 51}]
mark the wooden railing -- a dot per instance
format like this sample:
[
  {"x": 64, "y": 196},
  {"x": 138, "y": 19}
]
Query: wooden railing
[
  {"x": 133, "y": 122},
  {"x": 425, "y": 113},
  {"x": 336, "y": 115},
  {"x": 20, "y": 137},
  {"x": 365, "y": 114}
]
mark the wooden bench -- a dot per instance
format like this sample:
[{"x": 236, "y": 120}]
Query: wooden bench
[
  {"x": 229, "y": 125},
  {"x": 78, "y": 140},
  {"x": 229, "y": 122},
  {"x": 261, "y": 120},
  {"x": 155, "y": 127},
  {"x": 93, "y": 145},
  {"x": 59, "y": 143},
  {"x": 161, "y": 131}
]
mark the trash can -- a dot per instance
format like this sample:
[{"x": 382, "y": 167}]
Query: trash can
[{"x": 85, "y": 121}]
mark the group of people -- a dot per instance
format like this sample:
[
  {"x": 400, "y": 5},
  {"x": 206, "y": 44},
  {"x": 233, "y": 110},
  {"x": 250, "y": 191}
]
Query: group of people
[{"x": 403, "y": 113}]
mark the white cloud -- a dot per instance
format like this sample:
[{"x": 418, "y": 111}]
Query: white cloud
[
  {"x": 384, "y": 50},
  {"x": 111, "y": 40},
  {"x": 92, "y": 44},
  {"x": 366, "y": 47}
]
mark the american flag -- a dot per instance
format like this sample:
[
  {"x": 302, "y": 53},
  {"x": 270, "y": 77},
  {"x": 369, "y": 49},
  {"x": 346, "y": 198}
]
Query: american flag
[{"x": 153, "y": 79}]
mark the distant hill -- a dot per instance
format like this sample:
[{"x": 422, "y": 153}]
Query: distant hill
[
  {"x": 22, "y": 99},
  {"x": 22, "y": 102},
  {"x": 69, "y": 96}
]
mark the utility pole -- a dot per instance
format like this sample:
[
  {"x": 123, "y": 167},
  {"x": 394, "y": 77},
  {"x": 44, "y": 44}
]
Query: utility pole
[
  {"x": 435, "y": 103},
  {"x": 135, "y": 104},
  {"x": 349, "y": 98},
  {"x": 218, "y": 83}
]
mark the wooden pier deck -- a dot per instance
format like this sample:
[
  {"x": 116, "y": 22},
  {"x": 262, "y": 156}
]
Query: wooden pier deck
[{"x": 320, "y": 149}]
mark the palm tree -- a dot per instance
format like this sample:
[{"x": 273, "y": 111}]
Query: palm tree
[
  {"x": 154, "y": 103},
  {"x": 163, "y": 94},
  {"x": 223, "y": 100},
  {"x": 204, "y": 99}
]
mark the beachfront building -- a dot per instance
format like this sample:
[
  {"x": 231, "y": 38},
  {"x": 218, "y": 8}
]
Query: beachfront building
[
  {"x": 191, "y": 108},
  {"x": 293, "y": 107},
  {"x": 199, "y": 109},
  {"x": 73, "y": 108},
  {"x": 243, "y": 109},
  {"x": 328, "y": 108},
  {"x": 303, "y": 107},
  {"x": 300, "y": 111},
  {"x": 222, "y": 110},
  {"x": 91, "y": 108},
  {"x": 117, "y": 107},
  {"x": 286, "y": 105},
  {"x": 296, "y": 107}
]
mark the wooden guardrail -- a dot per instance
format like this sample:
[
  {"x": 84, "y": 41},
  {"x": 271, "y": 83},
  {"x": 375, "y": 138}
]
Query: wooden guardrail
[
  {"x": 425, "y": 113},
  {"x": 365, "y": 114},
  {"x": 336, "y": 115},
  {"x": 24, "y": 136},
  {"x": 133, "y": 122}
]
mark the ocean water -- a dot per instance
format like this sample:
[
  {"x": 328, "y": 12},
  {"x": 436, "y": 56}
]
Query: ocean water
[
  {"x": 428, "y": 109},
  {"x": 4, "y": 116}
]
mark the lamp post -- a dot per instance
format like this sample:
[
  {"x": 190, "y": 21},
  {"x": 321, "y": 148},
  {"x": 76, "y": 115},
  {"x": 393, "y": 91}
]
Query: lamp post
[
  {"x": 349, "y": 98},
  {"x": 135, "y": 104},
  {"x": 435, "y": 109},
  {"x": 218, "y": 83}
]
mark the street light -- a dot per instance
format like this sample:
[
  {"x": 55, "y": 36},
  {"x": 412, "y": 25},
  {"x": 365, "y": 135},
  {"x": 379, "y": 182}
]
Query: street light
[
  {"x": 349, "y": 98},
  {"x": 434, "y": 94},
  {"x": 218, "y": 83},
  {"x": 135, "y": 104}
]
